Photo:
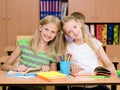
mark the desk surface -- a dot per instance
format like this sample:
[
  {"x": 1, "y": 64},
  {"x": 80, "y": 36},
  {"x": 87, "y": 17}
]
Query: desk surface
[{"x": 82, "y": 80}]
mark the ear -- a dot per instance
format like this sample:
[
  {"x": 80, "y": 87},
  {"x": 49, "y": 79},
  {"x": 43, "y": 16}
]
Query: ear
[{"x": 40, "y": 28}]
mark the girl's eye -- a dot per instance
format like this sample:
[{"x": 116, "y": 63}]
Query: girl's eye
[
  {"x": 53, "y": 32},
  {"x": 69, "y": 32},
  {"x": 46, "y": 29},
  {"x": 75, "y": 26}
]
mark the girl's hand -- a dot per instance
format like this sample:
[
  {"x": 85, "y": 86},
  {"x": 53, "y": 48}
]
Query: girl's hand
[
  {"x": 45, "y": 68},
  {"x": 75, "y": 69},
  {"x": 21, "y": 68},
  {"x": 112, "y": 69}
]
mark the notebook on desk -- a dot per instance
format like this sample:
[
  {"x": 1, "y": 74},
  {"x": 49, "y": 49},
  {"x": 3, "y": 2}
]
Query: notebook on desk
[
  {"x": 51, "y": 76},
  {"x": 31, "y": 72}
]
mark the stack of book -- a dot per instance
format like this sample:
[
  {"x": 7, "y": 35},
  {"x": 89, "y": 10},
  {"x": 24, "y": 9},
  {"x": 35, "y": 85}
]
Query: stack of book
[{"x": 52, "y": 76}]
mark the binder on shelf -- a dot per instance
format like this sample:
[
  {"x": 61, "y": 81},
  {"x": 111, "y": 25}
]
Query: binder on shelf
[
  {"x": 104, "y": 34},
  {"x": 99, "y": 32},
  {"x": 50, "y": 7},
  {"x": 92, "y": 30},
  {"x": 59, "y": 9},
  {"x": 110, "y": 34},
  {"x": 64, "y": 9},
  {"x": 47, "y": 7},
  {"x": 41, "y": 9},
  {"x": 116, "y": 34}
]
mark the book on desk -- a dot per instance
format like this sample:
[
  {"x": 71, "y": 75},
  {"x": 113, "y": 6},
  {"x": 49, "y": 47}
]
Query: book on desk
[
  {"x": 99, "y": 72},
  {"x": 31, "y": 72},
  {"x": 51, "y": 76}
]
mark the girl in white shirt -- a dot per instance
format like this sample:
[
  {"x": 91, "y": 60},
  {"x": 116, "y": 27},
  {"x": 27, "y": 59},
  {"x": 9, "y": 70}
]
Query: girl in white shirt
[{"x": 85, "y": 50}]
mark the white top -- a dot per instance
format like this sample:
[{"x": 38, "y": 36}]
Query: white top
[{"x": 84, "y": 56}]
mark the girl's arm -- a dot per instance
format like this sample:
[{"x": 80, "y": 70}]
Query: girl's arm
[
  {"x": 8, "y": 65},
  {"x": 103, "y": 56}
]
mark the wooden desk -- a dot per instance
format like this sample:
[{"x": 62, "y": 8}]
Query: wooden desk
[
  {"x": 7, "y": 81},
  {"x": 10, "y": 49}
]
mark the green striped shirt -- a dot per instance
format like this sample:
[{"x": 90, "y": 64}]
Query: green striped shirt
[{"x": 30, "y": 59}]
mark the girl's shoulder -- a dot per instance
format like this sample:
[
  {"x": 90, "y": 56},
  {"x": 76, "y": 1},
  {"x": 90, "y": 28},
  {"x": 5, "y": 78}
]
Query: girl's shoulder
[
  {"x": 23, "y": 41},
  {"x": 96, "y": 42}
]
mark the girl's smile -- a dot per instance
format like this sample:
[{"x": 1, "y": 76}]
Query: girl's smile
[{"x": 48, "y": 32}]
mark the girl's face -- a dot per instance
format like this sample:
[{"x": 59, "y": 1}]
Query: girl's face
[
  {"x": 48, "y": 32},
  {"x": 73, "y": 29}
]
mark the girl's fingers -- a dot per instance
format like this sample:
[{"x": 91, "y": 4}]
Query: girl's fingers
[
  {"x": 21, "y": 68},
  {"x": 45, "y": 68}
]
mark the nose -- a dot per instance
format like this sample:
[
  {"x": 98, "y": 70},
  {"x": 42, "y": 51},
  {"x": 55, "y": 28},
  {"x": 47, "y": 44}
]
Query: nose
[{"x": 49, "y": 33}]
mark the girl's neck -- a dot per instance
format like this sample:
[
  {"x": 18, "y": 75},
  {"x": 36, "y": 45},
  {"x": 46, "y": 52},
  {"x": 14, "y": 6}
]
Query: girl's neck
[
  {"x": 78, "y": 41},
  {"x": 42, "y": 46}
]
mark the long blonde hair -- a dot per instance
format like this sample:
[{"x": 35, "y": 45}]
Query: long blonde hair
[
  {"x": 86, "y": 37},
  {"x": 33, "y": 45}
]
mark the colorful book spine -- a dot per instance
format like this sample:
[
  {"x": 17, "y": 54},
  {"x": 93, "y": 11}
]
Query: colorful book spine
[
  {"x": 119, "y": 34},
  {"x": 44, "y": 8},
  {"x": 99, "y": 32},
  {"x": 51, "y": 7},
  {"x": 116, "y": 34},
  {"x": 104, "y": 34},
  {"x": 47, "y": 7},
  {"x": 110, "y": 34},
  {"x": 59, "y": 9},
  {"x": 41, "y": 9},
  {"x": 55, "y": 7}
]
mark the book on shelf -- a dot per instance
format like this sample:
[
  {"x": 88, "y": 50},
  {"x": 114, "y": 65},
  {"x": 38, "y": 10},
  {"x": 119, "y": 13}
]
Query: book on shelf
[
  {"x": 104, "y": 34},
  {"x": 110, "y": 34},
  {"x": 52, "y": 76},
  {"x": 116, "y": 34},
  {"x": 31, "y": 72},
  {"x": 92, "y": 29},
  {"x": 99, "y": 32},
  {"x": 64, "y": 9}
]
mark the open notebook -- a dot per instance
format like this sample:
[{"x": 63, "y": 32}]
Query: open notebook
[{"x": 31, "y": 72}]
